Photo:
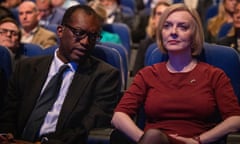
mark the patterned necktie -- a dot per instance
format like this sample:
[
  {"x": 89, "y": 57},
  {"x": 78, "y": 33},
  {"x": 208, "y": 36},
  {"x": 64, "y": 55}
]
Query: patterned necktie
[{"x": 43, "y": 105}]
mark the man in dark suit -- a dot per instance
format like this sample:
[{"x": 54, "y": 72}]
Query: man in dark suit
[{"x": 88, "y": 92}]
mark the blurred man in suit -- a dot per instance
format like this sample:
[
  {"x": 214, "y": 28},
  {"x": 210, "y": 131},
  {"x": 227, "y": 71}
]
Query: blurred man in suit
[{"x": 48, "y": 14}]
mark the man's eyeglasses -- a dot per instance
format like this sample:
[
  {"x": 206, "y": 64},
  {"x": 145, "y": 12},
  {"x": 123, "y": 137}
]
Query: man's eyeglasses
[
  {"x": 80, "y": 34},
  {"x": 6, "y": 31}
]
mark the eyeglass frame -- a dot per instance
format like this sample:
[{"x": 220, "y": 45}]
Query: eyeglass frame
[
  {"x": 81, "y": 34},
  {"x": 4, "y": 31}
]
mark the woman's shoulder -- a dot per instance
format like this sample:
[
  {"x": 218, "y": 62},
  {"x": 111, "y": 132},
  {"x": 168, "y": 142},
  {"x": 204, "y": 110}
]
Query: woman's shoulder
[
  {"x": 154, "y": 68},
  {"x": 209, "y": 69}
]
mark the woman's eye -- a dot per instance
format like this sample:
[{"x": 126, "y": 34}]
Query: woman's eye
[
  {"x": 166, "y": 26},
  {"x": 184, "y": 27}
]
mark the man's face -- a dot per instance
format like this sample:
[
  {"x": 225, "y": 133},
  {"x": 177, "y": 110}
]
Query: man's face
[
  {"x": 236, "y": 16},
  {"x": 9, "y": 35},
  {"x": 44, "y": 8},
  {"x": 159, "y": 10},
  {"x": 28, "y": 15},
  {"x": 78, "y": 37},
  {"x": 229, "y": 5}
]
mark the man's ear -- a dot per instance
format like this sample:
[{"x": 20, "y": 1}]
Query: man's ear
[{"x": 60, "y": 29}]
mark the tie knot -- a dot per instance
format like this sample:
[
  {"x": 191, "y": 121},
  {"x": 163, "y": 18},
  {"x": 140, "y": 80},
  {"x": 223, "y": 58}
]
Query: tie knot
[{"x": 63, "y": 68}]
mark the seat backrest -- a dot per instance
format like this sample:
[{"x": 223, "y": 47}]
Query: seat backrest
[
  {"x": 129, "y": 3},
  {"x": 225, "y": 28},
  {"x": 5, "y": 62},
  {"x": 112, "y": 57},
  {"x": 82, "y": 2},
  {"x": 123, "y": 53},
  {"x": 50, "y": 50},
  {"x": 220, "y": 56},
  {"x": 52, "y": 28},
  {"x": 32, "y": 49},
  {"x": 123, "y": 31},
  {"x": 15, "y": 14},
  {"x": 211, "y": 12}
]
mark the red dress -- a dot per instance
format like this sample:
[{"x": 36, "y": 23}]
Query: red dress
[{"x": 180, "y": 103}]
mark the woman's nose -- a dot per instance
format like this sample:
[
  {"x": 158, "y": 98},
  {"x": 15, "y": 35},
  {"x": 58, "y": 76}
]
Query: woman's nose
[{"x": 174, "y": 33}]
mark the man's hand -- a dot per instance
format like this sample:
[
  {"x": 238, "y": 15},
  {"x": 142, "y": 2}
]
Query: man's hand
[{"x": 6, "y": 138}]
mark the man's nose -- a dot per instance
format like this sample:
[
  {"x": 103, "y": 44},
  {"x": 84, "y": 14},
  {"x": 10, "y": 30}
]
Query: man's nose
[
  {"x": 9, "y": 33},
  {"x": 84, "y": 40}
]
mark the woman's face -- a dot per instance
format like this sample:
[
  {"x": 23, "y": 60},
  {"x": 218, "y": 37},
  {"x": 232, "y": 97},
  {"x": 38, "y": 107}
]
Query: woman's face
[
  {"x": 236, "y": 16},
  {"x": 158, "y": 13},
  {"x": 177, "y": 32}
]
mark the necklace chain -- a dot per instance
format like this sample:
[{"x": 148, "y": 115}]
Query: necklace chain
[{"x": 186, "y": 68}]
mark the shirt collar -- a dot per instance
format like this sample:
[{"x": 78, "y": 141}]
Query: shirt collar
[{"x": 57, "y": 63}]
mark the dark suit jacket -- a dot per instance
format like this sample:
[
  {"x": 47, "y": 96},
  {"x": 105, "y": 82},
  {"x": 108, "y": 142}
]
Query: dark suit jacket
[
  {"x": 230, "y": 41},
  {"x": 89, "y": 103}
]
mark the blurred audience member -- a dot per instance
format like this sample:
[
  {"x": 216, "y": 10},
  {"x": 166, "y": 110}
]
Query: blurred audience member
[
  {"x": 31, "y": 31},
  {"x": 225, "y": 15},
  {"x": 115, "y": 13},
  {"x": 151, "y": 34},
  {"x": 10, "y": 3},
  {"x": 106, "y": 36},
  {"x": 233, "y": 38},
  {"x": 10, "y": 38},
  {"x": 48, "y": 14}
]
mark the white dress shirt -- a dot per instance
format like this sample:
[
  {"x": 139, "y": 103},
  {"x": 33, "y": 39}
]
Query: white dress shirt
[{"x": 51, "y": 119}]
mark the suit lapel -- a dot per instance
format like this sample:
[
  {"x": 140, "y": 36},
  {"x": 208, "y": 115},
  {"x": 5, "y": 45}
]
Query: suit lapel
[
  {"x": 75, "y": 92},
  {"x": 38, "y": 76}
]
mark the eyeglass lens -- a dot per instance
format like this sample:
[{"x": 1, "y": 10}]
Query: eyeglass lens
[
  {"x": 80, "y": 34},
  {"x": 5, "y": 31}
]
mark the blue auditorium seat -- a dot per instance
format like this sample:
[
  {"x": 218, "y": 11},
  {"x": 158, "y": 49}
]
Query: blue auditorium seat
[
  {"x": 224, "y": 30},
  {"x": 123, "y": 31},
  {"x": 124, "y": 55},
  {"x": 211, "y": 12},
  {"x": 5, "y": 62},
  {"x": 32, "y": 49},
  {"x": 129, "y": 3}
]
